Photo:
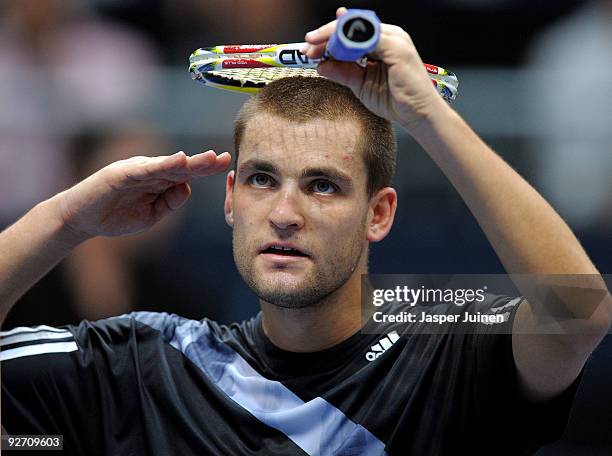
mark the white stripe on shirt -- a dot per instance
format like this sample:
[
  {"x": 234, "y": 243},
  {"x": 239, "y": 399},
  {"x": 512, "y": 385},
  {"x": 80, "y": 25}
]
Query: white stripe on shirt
[
  {"x": 29, "y": 336},
  {"x": 29, "y": 329},
  {"x": 39, "y": 349}
]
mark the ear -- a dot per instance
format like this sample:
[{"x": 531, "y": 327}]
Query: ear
[
  {"x": 228, "y": 208},
  {"x": 381, "y": 214}
]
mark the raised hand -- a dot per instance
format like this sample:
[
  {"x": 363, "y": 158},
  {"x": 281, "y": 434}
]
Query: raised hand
[
  {"x": 131, "y": 195},
  {"x": 394, "y": 85}
]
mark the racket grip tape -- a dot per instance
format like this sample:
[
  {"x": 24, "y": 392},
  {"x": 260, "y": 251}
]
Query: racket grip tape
[{"x": 357, "y": 33}]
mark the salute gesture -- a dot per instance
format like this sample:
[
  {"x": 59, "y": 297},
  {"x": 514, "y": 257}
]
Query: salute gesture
[
  {"x": 125, "y": 197},
  {"x": 396, "y": 87},
  {"x": 131, "y": 195}
]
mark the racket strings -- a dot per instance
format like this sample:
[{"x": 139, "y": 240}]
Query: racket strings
[{"x": 261, "y": 75}]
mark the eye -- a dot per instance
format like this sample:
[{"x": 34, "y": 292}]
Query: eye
[
  {"x": 261, "y": 180},
  {"x": 323, "y": 186}
]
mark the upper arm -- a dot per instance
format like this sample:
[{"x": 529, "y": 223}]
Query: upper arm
[
  {"x": 37, "y": 363},
  {"x": 548, "y": 363}
]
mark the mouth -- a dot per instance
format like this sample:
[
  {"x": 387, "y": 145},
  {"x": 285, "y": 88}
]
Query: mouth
[{"x": 278, "y": 250}]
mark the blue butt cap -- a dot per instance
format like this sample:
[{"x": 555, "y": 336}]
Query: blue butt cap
[{"x": 357, "y": 33}]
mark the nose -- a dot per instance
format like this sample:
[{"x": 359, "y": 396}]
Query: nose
[{"x": 286, "y": 213}]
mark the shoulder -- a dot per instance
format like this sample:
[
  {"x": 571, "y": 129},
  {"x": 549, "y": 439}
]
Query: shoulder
[
  {"x": 107, "y": 335},
  {"x": 35, "y": 340}
]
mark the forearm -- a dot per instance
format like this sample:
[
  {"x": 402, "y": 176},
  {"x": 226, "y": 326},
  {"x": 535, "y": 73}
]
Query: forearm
[{"x": 29, "y": 249}]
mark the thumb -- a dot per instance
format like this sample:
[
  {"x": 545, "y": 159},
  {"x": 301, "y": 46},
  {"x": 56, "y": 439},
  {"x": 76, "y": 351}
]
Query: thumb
[
  {"x": 177, "y": 196},
  {"x": 346, "y": 73},
  {"x": 171, "y": 199}
]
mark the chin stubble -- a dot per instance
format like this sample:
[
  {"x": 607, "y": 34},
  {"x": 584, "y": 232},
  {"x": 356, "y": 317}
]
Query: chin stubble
[{"x": 313, "y": 290}]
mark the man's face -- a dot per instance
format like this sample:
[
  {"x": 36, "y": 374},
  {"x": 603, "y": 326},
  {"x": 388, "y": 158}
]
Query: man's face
[{"x": 299, "y": 186}]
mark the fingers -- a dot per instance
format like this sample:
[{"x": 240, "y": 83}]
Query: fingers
[
  {"x": 322, "y": 34},
  {"x": 394, "y": 45},
  {"x": 314, "y": 51},
  {"x": 208, "y": 163},
  {"x": 150, "y": 168},
  {"x": 345, "y": 73},
  {"x": 317, "y": 39},
  {"x": 178, "y": 167}
]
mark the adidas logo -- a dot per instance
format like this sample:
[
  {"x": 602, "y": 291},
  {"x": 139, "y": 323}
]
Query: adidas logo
[{"x": 382, "y": 346}]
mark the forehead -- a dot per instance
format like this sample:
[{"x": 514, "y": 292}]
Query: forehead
[{"x": 302, "y": 144}]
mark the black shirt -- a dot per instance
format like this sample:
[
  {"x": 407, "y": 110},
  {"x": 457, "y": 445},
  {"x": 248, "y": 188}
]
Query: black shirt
[{"x": 156, "y": 383}]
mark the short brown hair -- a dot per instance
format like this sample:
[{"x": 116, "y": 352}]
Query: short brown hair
[{"x": 300, "y": 99}]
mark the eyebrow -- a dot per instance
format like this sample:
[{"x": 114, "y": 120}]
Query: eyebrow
[
  {"x": 319, "y": 171},
  {"x": 258, "y": 165}
]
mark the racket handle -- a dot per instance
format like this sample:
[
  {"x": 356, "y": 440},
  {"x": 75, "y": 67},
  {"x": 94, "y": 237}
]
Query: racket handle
[{"x": 357, "y": 33}]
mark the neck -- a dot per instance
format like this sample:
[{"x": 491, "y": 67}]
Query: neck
[{"x": 317, "y": 327}]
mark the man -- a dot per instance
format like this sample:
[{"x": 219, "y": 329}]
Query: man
[{"x": 304, "y": 202}]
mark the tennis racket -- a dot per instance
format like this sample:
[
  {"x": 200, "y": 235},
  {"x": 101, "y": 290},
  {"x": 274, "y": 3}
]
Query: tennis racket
[{"x": 248, "y": 68}]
